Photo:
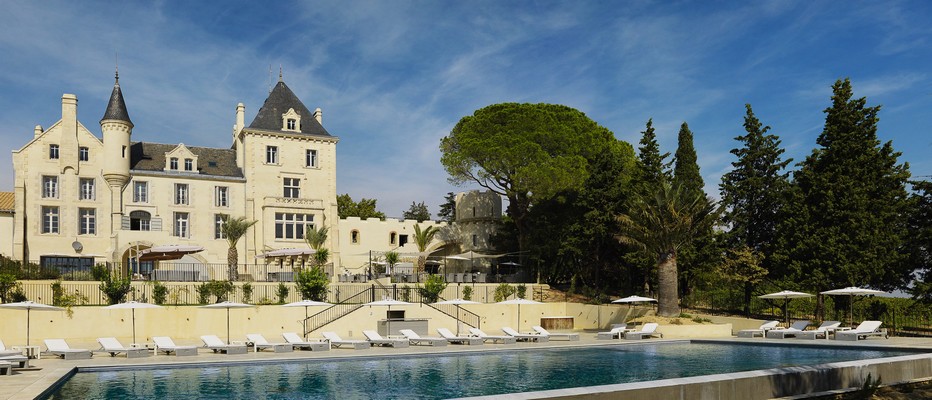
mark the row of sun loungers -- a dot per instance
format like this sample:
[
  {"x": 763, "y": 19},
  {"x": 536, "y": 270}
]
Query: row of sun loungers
[
  {"x": 770, "y": 330},
  {"x": 619, "y": 331}
]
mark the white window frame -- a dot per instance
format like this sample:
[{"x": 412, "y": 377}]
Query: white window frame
[
  {"x": 182, "y": 194},
  {"x": 189, "y": 164},
  {"x": 87, "y": 189},
  {"x": 271, "y": 155},
  {"x": 221, "y": 196},
  {"x": 87, "y": 221},
  {"x": 182, "y": 224},
  {"x": 49, "y": 187},
  {"x": 291, "y": 188},
  {"x": 218, "y": 224},
  {"x": 140, "y": 191},
  {"x": 54, "y": 152},
  {"x": 292, "y": 225},
  {"x": 84, "y": 154},
  {"x": 173, "y": 163},
  {"x": 310, "y": 158},
  {"x": 50, "y": 219}
]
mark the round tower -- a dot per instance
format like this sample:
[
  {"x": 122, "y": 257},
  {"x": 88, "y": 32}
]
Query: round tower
[{"x": 117, "y": 129}]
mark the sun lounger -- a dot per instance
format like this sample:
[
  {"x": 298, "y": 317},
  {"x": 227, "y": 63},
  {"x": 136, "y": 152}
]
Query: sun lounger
[
  {"x": 377, "y": 340},
  {"x": 259, "y": 343},
  {"x": 165, "y": 344},
  {"x": 544, "y": 332},
  {"x": 4, "y": 352},
  {"x": 821, "y": 332},
  {"x": 617, "y": 332},
  {"x": 766, "y": 326},
  {"x": 863, "y": 331},
  {"x": 212, "y": 342},
  {"x": 337, "y": 342},
  {"x": 6, "y": 368},
  {"x": 647, "y": 331},
  {"x": 17, "y": 361},
  {"x": 494, "y": 339},
  {"x": 113, "y": 346},
  {"x": 454, "y": 339},
  {"x": 61, "y": 349},
  {"x": 416, "y": 339},
  {"x": 781, "y": 333},
  {"x": 525, "y": 337},
  {"x": 295, "y": 340}
]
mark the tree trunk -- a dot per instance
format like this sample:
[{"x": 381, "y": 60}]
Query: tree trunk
[
  {"x": 668, "y": 298},
  {"x": 748, "y": 289},
  {"x": 232, "y": 258}
]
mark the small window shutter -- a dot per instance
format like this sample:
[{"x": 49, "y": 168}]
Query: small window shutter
[
  {"x": 124, "y": 223},
  {"x": 155, "y": 224}
]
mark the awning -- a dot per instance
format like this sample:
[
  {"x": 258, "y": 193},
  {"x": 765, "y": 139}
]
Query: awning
[
  {"x": 168, "y": 252},
  {"x": 290, "y": 252}
]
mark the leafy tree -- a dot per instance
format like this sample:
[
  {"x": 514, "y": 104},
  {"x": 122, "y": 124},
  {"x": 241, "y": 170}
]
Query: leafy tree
[
  {"x": 422, "y": 238},
  {"x": 743, "y": 265},
  {"x": 753, "y": 194},
  {"x": 365, "y": 208},
  {"x": 159, "y": 292},
  {"x": 418, "y": 212},
  {"x": 846, "y": 224},
  {"x": 312, "y": 283},
  {"x": 115, "y": 288},
  {"x": 433, "y": 286},
  {"x": 233, "y": 229},
  {"x": 662, "y": 224},
  {"x": 7, "y": 284},
  {"x": 219, "y": 289},
  {"x": 919, "y": 245},
  {"x": 282, "y": 292},
  {"x": 467, "y": 292},
  {"x": 247, "y": 293},
  {"x": 448, "y": 208},
  {"x": 503, "y": 291},
  {"x": 525, "y": 152}
]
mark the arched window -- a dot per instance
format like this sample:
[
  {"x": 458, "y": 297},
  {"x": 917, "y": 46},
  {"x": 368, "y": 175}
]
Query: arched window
[
  {"x": 354, "y": 236},
  {"x": 392, "y": 238},
  {"x": 139, "y": 221}
]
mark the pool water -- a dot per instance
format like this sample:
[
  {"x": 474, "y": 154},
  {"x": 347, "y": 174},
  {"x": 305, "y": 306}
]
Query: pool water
[{"x": 450, "y": 375}]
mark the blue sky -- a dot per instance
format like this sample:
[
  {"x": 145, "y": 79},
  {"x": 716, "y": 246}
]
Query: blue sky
[{"x": 393, "y": 77}]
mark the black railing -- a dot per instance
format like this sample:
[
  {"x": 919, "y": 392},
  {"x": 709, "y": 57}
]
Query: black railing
[
  {"x": 337, "y": 311},
  {"x": 465, "y": 316}
]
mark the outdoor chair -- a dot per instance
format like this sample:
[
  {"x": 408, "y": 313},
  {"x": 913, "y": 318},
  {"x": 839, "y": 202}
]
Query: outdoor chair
[
  {"x": 863, "y": 331},
  {"x": 338, "y": 342},
  {"x": 165, "y": 344},
  {"x": 259, "y": 343},
  {"x": 617, "y": 332},
  {"x": 525, "y": 337},
  {"x": 416, "y": 339},
  {"x": 17, "y": 361},
  {"x": 4, "y": 352},
  {"x": 766, "y": 326},
  {"x": 377, "y": 340},
  {"x": 113, "y": 346},
  {"x": 544, "y": 332},
  {"x": 647, "y": 331},
  {"x": 299, "y": 344},
  {"x": 213, "y": 343},
  {"x": 494, "y": 339},
  {"x": 821, "y": 332},
  {"x": 61, "y": 349},
  {"x": 454, "y": 339},
  {"x": 782, "y": 333}
]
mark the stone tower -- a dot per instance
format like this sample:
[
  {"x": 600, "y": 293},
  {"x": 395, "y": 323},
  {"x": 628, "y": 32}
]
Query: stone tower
[{"x": 117, "y": 129}]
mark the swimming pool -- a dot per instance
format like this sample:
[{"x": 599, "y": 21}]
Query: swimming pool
[{"x": 451, "y": 375}]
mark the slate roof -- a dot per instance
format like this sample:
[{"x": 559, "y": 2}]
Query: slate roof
[
  {"x": 116, "y": 109},
  {"x": 7, "y": 202},
  {"x": 281, "y": 98},
  {"x": 210, "y": 161}
]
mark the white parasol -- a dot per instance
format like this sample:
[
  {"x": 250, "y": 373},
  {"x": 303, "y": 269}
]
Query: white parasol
[
  {"x": 519, "y": 302},
  {"x": 227, "y": 305},
  {"x": 306, "y": 304},
  {"x": 29, "y": 306},
  {"x": 457, "y": 303},
  {"x": 132, "y": 305},
  {"x": 786, "y": 295},
  {"x": 852, "y": 291},
  {"x": 388, "y": 302}
]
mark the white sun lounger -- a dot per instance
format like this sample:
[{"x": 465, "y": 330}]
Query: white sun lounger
[
  {"x": 295, "y": 340},
  {"x": 766, "y": 326},
  {"x": 525, "y": 337},
  {"x": 61, "y": 349},
  {"x": 18, "y": 360},
  {"x": 165, "y": 344},
  {"x": 113, "y": 346},
  {"x": 782, "y": 333},
  {"x": 453, "y": 339},
  {"x": 647, "y": 331},
  {"x": 567, "y": 336},
  {"x": 617, "y": 332},
  {"x": 4, "y": 352},
  {"x": 337, "y": 342},
  {"x": 6, "y": 368},
  {"x": 212, "y": 342},
  {"x": 821, "y": 332},
  {"x": 259, "y": 343},
  {"x": 863, "y": 331},
  {"x": 416, "y": 339},
  {"x": 377, "y": 340},
  {"x": 495, "y": 339}
]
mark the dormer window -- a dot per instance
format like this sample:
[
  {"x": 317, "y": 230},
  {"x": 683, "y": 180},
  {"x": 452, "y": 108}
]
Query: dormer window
[
  {"x": 173, "y": 164},
  {"x": 188, "y": 164},
  {"x": 291, "y": 121}
]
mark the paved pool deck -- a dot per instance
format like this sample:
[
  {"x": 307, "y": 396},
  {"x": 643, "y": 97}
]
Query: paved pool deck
[{"x": 45, "y": 372}]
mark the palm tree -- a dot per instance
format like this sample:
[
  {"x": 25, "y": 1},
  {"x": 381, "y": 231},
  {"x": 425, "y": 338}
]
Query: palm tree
[
  {"x": 661, "y": 224},
  {"x": 233, "y": 229},
  {"x": 391, "y": 258},
  {"x": 316, "y": 237},
  {"x": 422, "y": 239}
]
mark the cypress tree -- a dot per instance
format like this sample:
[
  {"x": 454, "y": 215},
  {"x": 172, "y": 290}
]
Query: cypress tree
[
  {"x": 686, "y": 167},
  {"x": 653, "y": 171},
  {"x": 847, "y": 219}
]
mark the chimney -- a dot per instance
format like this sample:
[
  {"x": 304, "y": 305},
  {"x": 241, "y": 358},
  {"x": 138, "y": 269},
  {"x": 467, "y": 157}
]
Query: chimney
[
  {"x": 318, "y": 115},
  {"x": 39, "y": 130},
  {"x": 240, "y": 117},
  {"x": 69, "y": 108}
]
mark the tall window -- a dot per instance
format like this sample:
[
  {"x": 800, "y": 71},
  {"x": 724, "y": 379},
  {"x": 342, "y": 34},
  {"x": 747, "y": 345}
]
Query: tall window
[
  {"x": 392, "y": 238},
  {"x": 87, "y": 189},
  {"x": 292, "y": 226},
  {"x": 292, "y": 124},
  {"x": 139, "y": 221},
  {"x": 354, "y": 237},
  {"x": 53, "y": 151},
  {"x": 173, "y": 163},
  {"x": 221, "y": 196},
  {"x": 188, "y": 164},
  {"x": 271, "y": 154},
  {"x": 292, "y": 188},
  {"x": 49, "y": 219},
  {"x": 87, "y": 221},
  {"x": 310, "y": 158},
  {"x": 218, "y": 226},
  {"x": 181, "y": 224},
  {"x": 50, "y": 187},
  {"x": 140, "y": 192},
  {"x": 84, "y": 154},
  {"x": 181, "y": 194},
  {"x": 475, "y": 240}
]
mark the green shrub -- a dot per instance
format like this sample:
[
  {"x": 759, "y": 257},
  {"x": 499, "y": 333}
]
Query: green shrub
[
  {"x": 503, "y": 291},
  {"x": 312, "y": 283},
  {"x": 685, "y": 315},
  {"x": 433, "y": 286},
  {"x": 159, "y": 293},
  {"x": 282, "y": 292},
  {"x": 676, "y": 321},
  {"x": 247, "y": 292},
  {"x": 115, "y": 288},
  {"x": 467, "y": 292},
  {"x": 406, "y": 293},
  {"x": 7, "y": 285},
  {"x": 67, "y": 301},
  {"x": 521, "y": 290},
  {"x": 203, "y": 293},
  {"x": 100, "y": 272},
  {"x": 220, "y": 289}
]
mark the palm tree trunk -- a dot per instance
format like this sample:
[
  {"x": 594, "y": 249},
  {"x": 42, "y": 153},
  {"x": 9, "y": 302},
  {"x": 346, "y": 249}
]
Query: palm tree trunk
[
  {"x": 668, "y": 298},
  {"x": 232, "y": 259}
]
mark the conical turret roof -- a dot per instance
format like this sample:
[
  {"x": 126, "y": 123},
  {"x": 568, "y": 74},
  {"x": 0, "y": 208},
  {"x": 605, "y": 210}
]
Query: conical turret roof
[
  {"x": 280, "y": 100},
  {"x": 116, "y": 109}
]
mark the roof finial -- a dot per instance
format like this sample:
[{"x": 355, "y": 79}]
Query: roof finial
[
  {"x": 116, "y": 63},
  {"x": 280, "y": 73}
]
